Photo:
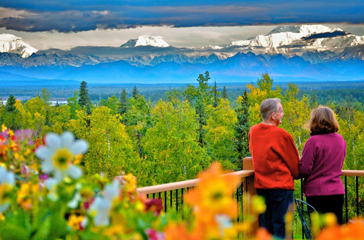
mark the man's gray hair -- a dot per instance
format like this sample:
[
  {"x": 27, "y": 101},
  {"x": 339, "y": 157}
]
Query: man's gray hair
[{"x": 269, "y": 106}]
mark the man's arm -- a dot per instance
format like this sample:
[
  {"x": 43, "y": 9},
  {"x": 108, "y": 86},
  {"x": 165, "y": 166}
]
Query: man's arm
[{"x": 290, "y": 156}]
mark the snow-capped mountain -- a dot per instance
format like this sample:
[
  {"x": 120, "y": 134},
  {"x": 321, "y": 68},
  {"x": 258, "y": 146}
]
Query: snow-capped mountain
[
  {"x": 146, "y": 40},
  {"x": 307, "y": 52},
  {"x": 295, "y": 40},
  {"x": 12, "y": 44}
]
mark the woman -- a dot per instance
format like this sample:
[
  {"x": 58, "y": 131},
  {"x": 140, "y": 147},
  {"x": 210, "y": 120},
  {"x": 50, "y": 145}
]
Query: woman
[{"x": 321, "y": 164}]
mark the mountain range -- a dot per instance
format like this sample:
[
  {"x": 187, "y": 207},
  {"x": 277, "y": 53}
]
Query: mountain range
[{"x": 287, "y": 53}]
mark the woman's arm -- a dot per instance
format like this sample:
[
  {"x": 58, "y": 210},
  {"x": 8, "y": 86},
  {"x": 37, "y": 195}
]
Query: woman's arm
[{"x": 308, "y": 158}]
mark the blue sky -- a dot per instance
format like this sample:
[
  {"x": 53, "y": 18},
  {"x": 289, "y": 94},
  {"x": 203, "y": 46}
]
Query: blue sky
[{"x": 42, "y": 18}]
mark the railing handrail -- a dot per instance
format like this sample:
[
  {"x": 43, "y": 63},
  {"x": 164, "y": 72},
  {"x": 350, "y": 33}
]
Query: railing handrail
[
  {"x": 242, "y": 173},
  {"x": 187, "y": 183},
  {"x": 352, "y": 173}
]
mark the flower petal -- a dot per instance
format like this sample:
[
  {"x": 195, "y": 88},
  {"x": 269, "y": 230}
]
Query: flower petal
[
  {"x": 47, "y": 166},
  {"x": 80, "y": 146},
  {"x": 50, "y": 183},
  {"x": 10, "y": 178},
  {"x": 59, "y": 175},
  {"x": 74, "y": 201},
  {"x": 74, "y": 172},
  {"x": 53, "y": 141},
  {"x": 2, "y": 175},
  {"x": 67, "y": 139},
  {"x": 4, "y": 206},
  {"x": 44, "y": 153}
]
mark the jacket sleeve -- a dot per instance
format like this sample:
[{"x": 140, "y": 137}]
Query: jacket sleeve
[
  {"x": 290, "y": 155},
  {"x": 308, "y": 158}
]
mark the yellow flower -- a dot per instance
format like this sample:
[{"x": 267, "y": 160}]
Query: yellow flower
[
  {"x": 330, "y": 219},
  {"x": 258, "y": 204},
  {"x": 3, "y": 128},
  {"x": 78, "y": 159},
  {"x": 62, "y": 158},
  {"x": 24, "y": 194},
  {"x": 114, "y": 230},
  {"x": 5, "y": 189},
  {"x": 75, "y": 222},
  {"x": 131, "y": 182},
  {"x": 11, "y": 133}
]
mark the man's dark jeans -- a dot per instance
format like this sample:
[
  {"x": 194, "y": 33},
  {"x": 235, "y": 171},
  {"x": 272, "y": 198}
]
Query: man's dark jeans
[{"x": 277, "y": 201}]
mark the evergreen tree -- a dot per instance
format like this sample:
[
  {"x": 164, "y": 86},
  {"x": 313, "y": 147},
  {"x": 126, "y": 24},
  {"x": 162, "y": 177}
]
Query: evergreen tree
[
  {"x": 12, "y": 115},
  {"x": 241, "y": 129},
  {"x": 84, "y": 100},
  {"x": 314, "y": 101},
  {"x": 123, "y": 103},
  {"x": 204, "y": 98},
  {"x": 135, "y": 92},
  {"x": 215, "y": 96},
  {"x": 10, "y": 104},
  {"x": 224, "y": 93},
  {"x": 201, "y": 116}
]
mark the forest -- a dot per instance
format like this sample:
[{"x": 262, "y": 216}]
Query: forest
[{"x": 178, "y": 132}]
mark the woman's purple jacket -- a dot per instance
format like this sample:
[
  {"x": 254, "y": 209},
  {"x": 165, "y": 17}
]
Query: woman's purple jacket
[{"x": 321, "y": 163}]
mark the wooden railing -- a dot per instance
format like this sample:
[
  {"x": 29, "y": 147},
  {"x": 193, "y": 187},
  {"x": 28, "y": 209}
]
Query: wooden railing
[{"x": 171, "y": 194}]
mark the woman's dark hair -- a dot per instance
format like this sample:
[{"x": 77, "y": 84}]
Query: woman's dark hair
[{"x": 323, "y": 121}]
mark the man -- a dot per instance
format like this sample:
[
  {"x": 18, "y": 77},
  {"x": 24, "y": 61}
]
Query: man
[{"x": 276, "y": 164}]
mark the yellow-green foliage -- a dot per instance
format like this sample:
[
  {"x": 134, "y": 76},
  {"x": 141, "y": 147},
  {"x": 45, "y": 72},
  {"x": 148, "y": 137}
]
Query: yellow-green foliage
[
  {"x": 220, "y": 133},
  {"x": 111, "y": 150},
  {"x": 171, "y": 146}
]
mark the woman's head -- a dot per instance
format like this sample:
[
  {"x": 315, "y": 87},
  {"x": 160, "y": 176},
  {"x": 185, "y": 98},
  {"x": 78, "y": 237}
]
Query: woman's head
[{"x": 323, "y": 121}]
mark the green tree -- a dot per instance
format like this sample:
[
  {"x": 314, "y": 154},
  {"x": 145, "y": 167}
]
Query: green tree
[
  {"x": 224, "y": 93},
  {"x": 12, "y": 117},
  {"x": 215, "y": 95},
  {"x": 171, "y": 149},
  {"x": 45, "y": 96},
  {"x": 111, "y": 150},
  {"x": 135, "y": 92},
  {"x": 219, "y": 133},
  {"x": 314, "y": 101},
  {"x": 10, "y": 104},
  {"x": 241, "y": 130},
  {"x": 84, "y": 99},
  {"x": 296, "y": 116},
  {"x": 112, "y": 103},
  {"x": 174, "y": 96},
  {"x": 123, "y": 103},
  {"x": 200, "y": 97},
  {"x": 260, "y": 93},
  {"x": 73, "y": 104}
]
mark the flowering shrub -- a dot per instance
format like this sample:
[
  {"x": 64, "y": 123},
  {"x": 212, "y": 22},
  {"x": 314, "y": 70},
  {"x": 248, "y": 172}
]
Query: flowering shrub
[{"x": 44, "y": 195}]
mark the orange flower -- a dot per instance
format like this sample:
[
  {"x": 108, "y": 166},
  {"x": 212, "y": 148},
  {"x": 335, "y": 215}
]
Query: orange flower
[
  {"x": 352, "y": 231},
  {"x": 263, "y": 234},
  {"x": 176, "y": 231},
  {"x": 213, "y": 194}
]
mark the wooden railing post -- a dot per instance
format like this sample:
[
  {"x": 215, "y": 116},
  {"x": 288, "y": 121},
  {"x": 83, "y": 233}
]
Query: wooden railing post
[{"x": 250, "y": 190}]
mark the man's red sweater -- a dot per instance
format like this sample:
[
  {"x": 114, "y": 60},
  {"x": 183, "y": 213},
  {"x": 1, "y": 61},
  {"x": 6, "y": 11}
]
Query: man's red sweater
[{"x": 275, "y": 157}]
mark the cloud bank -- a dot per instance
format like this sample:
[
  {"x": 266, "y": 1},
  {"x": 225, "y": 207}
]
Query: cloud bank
[{"x": 76, "y": 15}]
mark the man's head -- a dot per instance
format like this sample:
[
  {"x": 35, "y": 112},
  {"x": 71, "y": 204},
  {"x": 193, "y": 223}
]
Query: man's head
[{"x": 272, "y": 111}]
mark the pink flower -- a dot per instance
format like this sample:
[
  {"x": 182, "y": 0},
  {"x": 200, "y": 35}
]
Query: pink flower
[
  {"x": 154, "y": 235},
  {"x": 154, "y": 205}
]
